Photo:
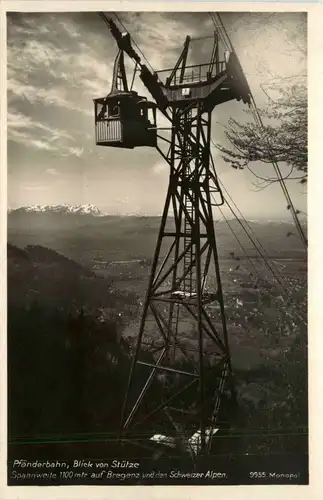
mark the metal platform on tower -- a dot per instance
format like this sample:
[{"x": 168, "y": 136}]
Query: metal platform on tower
[{"x": 180, "y": 388}]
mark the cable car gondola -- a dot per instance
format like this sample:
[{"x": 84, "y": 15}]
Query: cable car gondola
[{"x": 124, "y": 119}]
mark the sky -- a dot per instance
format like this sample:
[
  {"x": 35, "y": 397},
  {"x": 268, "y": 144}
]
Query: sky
[{"x": 57, "y": 63}]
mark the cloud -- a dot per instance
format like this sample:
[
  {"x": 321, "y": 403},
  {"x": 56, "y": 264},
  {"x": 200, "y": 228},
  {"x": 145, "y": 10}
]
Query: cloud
[
  {"x": 76, "y": 151},
  {"x": 25, "y": 130},
  {"x": 17, "y": 121},
  {"x": 41, "y": 145},
  {"x": 160, "y": 36},
  {"x": 56, "y": 65},
  {"x": 51, "y": 171},
  {"x": 50, "y": 63},
  {"x": 46, "y": 96}
]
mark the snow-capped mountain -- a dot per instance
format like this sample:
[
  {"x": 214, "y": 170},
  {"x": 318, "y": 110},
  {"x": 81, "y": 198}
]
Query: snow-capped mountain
[{"x": 66, "y": 208}]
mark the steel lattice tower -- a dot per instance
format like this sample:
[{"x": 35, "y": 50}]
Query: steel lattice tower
[
  {"x": 181, "y": 374},
  {"x": 181, "y": 292}
]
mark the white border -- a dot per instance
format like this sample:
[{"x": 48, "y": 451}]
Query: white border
[{"x": 315, "y": 193}]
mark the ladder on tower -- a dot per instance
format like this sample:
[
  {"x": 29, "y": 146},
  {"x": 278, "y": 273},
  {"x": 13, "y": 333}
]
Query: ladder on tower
[{"x": 189, "y": 285}]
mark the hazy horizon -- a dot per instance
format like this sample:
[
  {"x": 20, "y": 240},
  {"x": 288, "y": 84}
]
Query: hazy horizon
[{"x": 170, "y": 215}]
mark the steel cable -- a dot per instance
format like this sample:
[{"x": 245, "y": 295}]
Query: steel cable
[{"x": 258, "y": 120}]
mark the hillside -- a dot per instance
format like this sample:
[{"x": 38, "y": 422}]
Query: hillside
[{"x": 40, "y": 275}]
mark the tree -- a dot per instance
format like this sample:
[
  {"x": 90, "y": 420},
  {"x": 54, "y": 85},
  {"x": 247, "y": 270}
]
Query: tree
[{"x": 283, "y": 137}]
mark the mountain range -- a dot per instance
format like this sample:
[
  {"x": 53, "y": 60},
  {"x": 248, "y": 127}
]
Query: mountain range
[{"x": 88, "y": 209}]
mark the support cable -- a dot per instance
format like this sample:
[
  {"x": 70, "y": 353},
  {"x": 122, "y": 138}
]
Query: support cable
[
  {"x": 278, "y": 172},
  {"x": 269, "y": 266},
  {"x": 249, "y": 237},
  {"x": 251, "y": 229},
  {"x": 133, "y": 41},
  {"x": 286, "y": 292},
  {"x": 221, "y": 29},
  {"x": 257, "y": 249},
  {"x": 259, "y": 122},
  {"x": 241, "y": 245}
]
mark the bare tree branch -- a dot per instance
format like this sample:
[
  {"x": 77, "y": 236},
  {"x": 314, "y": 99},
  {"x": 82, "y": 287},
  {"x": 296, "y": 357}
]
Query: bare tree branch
[{"x": 284, "y": 136}]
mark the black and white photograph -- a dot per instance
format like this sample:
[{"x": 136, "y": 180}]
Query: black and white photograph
[{"x": 157, "y": 297}]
